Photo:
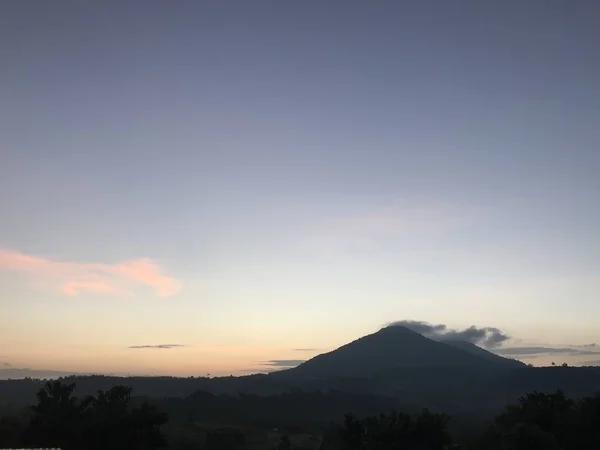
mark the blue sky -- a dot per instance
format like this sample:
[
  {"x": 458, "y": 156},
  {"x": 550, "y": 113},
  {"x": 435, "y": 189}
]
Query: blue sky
[{"x": 246, "y": 178}]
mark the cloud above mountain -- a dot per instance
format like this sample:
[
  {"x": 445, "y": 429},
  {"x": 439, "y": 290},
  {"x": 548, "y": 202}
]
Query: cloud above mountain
[
  {"x": 487, "y": 337},
  {"x": 73, "y": 278}
]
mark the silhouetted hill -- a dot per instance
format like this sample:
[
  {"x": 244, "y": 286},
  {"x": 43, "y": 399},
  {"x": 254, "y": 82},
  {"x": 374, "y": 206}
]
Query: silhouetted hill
[
  {"x": 388, "y": 349},
  {"x": 482, "y": 353}
]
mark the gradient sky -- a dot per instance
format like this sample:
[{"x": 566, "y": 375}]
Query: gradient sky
[{"x": 246, "y": 179}]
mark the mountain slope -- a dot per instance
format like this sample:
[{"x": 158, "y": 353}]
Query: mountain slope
[
  {"x": 482, "y": 353},
  {"x": 388, "y": 349}
]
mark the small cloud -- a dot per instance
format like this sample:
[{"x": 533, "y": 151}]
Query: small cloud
[
  {"x": 282, "y": 362},
  {"x": 161, "y": 346},
  {"x": 5, "y": 364},
  {"x": 593, "y": 344},
  {"x": 75, "y": 277},
  {"x": 488, "y": 337},
  {"x": 274, "y": 365},
  {"x": 306, "y": 349},
  {"x": 531, "y": 351}
]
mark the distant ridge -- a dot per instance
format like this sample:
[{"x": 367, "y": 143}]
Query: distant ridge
[{"x": 395, "y": 347}]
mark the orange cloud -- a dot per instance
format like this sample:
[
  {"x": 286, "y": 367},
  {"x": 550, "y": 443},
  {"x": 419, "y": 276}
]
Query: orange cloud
[{"x": 74, "y": 277}]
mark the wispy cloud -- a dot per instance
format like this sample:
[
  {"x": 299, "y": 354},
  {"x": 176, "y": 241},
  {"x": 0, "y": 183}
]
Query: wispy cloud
[
  {"x": 488, "y": 337},
  {"x": 306, "y": 349},
  {"x": 75, "y": 277},
  {"x": 5, "y": 364},
  {"x": 274, "y": 365},
  {"x": 534, "y": 351},
  {"x": 282, "y": 362},
  {"x": 592, "y": 345},
  {"x": 161, "y": 346},
  {"x": 256, "y": 371}
]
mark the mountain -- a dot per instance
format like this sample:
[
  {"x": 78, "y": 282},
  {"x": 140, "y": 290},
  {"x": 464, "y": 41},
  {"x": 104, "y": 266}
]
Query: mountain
[
  {"x": 395, "y": 362},
  {"x": 482, "y": 353},
  {"x": 391, "y": 348}
]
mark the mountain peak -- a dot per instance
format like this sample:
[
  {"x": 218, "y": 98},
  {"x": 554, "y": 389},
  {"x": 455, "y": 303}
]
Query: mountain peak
[
  {"x": 391, "y": 348},
  {"x": 398, "y": 329}
]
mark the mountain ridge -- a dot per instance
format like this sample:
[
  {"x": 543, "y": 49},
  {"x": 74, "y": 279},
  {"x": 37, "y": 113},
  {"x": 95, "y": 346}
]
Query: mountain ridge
[{"x": 483, "y": 353}]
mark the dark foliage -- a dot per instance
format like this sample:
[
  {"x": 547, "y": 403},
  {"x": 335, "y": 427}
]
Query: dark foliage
[
  {"x": 61, "y": 420},
  {"x": 452, "y": 390},
  {"x": 225, "y": 439},
  {"x": 286, "y": 411},
  {"x": 395, "y": 431},
  {"x": 547, "y": 422},
  {"x": 114, "y": 419}
]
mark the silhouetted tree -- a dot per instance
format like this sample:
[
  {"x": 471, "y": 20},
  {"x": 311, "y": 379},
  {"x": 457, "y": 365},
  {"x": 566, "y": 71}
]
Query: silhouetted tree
[
  {"x": 56, "y": 420},
  {"x": 586, "y": 429},
  {"x": 551, "y": 413},
  {"x": 105, "y": 421},
  {"x": 547, "y": 422},
  {"x": 400, "y": 431}
]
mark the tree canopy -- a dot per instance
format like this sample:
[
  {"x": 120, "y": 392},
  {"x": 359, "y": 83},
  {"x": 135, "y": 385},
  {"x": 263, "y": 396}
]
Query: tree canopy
[{"x": 106, "y": 420}]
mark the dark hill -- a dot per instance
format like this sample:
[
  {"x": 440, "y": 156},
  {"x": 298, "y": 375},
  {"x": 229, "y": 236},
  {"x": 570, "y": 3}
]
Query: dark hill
[
  {"x": 482, "y": 353},
  {"x": 390, "y": 348}
]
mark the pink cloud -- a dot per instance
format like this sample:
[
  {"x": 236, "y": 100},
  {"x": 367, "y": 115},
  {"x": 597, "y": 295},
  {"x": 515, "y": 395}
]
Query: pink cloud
[
  {"x": 75, "y": 287},
  {"x": 146, "y": 272},
  {"x": 75, "y": 277}
]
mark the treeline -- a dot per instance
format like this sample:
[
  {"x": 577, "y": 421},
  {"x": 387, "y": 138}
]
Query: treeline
[
  {"x": 23, "y": 391},
  {"x": 106, "y": 420},
  {"x": 546, "y": 422},
  {"x": 113, "y": 419},
  {"x": 537, "y": 422},
  {"x": 449, "y": 389}
]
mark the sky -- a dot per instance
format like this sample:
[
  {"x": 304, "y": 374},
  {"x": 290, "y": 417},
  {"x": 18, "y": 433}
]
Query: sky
[{"x": 227, "y": 186}]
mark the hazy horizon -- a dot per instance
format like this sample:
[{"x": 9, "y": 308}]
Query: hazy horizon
[{"x": 218, "y": 187}]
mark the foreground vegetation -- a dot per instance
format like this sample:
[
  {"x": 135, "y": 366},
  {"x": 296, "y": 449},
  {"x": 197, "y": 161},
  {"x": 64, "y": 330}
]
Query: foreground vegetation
[{"x": 116, "y": 420}]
